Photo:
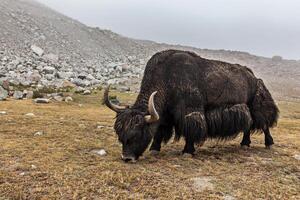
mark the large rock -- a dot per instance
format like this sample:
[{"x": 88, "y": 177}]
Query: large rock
[
  {"x": 67, "y": 83},
  {"x": 34, "y": 76},
  {"x": 5, "y": 84},
  {"x": 37, "y": 50},
  {"x": 87, "y": 92},
  {"x": 3, "y": 93},
  {"x": 41, "y": 100},
  {"x": 18, "y": 95},
  {"x": 48, "y": 70},
  {"x": 51, "y": 57}
]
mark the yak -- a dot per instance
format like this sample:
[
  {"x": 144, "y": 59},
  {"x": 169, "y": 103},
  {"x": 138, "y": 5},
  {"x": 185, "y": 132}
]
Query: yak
[{"x": 198, "y": 98}]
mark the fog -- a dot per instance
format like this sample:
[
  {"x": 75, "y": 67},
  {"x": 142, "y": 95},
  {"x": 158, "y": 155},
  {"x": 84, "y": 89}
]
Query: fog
[{"x": 261, "y": 27}]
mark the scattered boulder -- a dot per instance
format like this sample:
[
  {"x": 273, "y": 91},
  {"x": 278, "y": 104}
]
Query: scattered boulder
[
  {"x": 100, "y": 152},
  {"x": 51, "y": 57},
  {"x": 58, "y": 98},
  {"x": 229, "y": 197},
  {"x": 68, "y": 99},
  {"x": 3, "y": 94},
  {"x": 67, "y": 84},
  {"x": 39, "y": 133},
  {"x": 48, "y": 70},
  {"x": 100, "y": 127},
  {"x": 29, "y": 115},
  {"x": 79, "y": 90},
  {"x": 5, "y": 85},
  {"x": 123, "y": 89},
  {"x": 42, "y": 100},
  {"x": 37, "y": 50},
  {"x": 18, "y": 95},
  {"x": 29, "y": 94},
  {"x": 297, "y": 156},
  {"x": 34, "y": 77},
  {"x": 87, "y": 92},
  {"x": 3, "y": 112}
]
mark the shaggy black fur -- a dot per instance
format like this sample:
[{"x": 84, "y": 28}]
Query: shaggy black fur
[
  {"x": 226, "y": 122},
  {"x": 198, "y": 97}
]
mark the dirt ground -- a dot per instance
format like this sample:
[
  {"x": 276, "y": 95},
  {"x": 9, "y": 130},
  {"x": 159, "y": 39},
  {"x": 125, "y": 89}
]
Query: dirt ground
[{"x": 59, "y": 163}]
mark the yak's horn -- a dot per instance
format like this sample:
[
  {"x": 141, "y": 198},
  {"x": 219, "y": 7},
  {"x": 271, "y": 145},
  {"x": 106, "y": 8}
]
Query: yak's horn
[
  {"x": 107, "y": 102},
  {"x": 153, "y": 117}
]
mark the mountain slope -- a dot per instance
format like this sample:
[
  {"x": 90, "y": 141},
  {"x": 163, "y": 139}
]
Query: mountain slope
[{"x": 40, "y": 45}]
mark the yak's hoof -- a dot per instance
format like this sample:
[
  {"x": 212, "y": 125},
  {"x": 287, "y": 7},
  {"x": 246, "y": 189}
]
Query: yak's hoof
[
  {"x": 269, "y": 147},
  {"x": 243, "y": 146},
  {"x": 187, "y": 155},
  {"x": 154, "y": 152}
]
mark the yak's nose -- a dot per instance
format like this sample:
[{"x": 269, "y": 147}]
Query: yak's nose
[{"x": 128, "y": 158}]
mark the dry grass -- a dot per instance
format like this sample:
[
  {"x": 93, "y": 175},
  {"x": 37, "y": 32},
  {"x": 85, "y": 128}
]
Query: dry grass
[{"x": 59, "y": 164}]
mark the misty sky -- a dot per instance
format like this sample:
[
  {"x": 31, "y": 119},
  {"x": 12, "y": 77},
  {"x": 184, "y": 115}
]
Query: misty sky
[{"x": 262, "y": 27}]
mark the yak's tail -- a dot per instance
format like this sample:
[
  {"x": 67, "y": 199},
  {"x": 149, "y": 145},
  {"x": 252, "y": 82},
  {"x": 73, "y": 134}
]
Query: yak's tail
[
  {"x": 263, "y": 108},
  {"x": 227, "y": 122}
]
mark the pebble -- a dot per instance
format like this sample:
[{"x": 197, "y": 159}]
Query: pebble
[
  {"x": 39, "y": 133},
  {"x": 33, "y": 167},
  {"x": 3, "y": 112},
  {"x": 100, "y": 127},
  {"x": 41, "y": 100},
  {"x": 29, "y": 115},
  {"x": 68, "y": 99},
  {"x": 297, "y": 156},
  {"x": 82, "y": 126},
  {"x": 100, "y": 152},
  {"x": 87, "y": 92}
]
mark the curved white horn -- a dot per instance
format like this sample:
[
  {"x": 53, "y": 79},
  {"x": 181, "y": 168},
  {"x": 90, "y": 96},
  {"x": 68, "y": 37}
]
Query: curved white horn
[
  {"x": 154, "y": 116},
  {"x": 107, "y": 102}
]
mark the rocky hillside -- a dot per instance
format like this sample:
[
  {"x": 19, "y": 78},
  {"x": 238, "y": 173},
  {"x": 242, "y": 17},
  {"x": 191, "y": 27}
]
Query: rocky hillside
[{"x": 39, "y": 46}]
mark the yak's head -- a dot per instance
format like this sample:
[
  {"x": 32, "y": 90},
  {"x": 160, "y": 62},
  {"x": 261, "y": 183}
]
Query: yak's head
[{"x": 133, "y": 127}]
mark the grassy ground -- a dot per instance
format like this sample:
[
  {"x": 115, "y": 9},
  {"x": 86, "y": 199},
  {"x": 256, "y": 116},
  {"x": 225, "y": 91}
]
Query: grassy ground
[{"x": 59, "y": 164}]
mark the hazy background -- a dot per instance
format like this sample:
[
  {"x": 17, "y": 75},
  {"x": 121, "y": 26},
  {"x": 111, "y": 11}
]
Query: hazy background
[{"x": 262, "y": 27}]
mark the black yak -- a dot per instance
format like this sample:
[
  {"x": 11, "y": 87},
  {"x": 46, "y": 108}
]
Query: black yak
[{"x": 197, "y": 97}]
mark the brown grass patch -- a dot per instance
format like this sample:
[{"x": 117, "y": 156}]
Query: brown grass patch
[{"x": 59, "y": 164}]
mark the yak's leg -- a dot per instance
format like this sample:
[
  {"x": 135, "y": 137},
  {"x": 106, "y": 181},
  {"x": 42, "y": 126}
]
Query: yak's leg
[
  {"x": 194, "y": 129},
  {"x": 268, "y": 138},
  {"x": 189, "y": 148},
  {"x": 164, "y": 132},
  {"x": 246, "y": 139}
]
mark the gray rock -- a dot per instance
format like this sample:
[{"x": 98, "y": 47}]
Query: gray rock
[
  {"x": 5, "y": 84},
  {"x": 18, "y": 95},
  {"x": 34, "y": 76},
  {"x": 79, "y": 90},
  {"x": 29, "y": 95},
  {"x": 51, "y": 57},
  {"x": 297, "y": 156},
  {"x": 68, "y": 99},
  {"x": 42, "y": 100},
  {"x": 48, "y": 70},
  {"x": 100, "y": 127},
  {"x": 100, "y": 152},
  {"x": 3, "y": 112},
  {"x": 37, "y": 50},
  {"x": 123, "y": 88},
  {"x": 90, "y": 77},
  {"x": 87, "y": 92},
  {"x": 3, "y": 94},
  {"x": 39, "y": 133},
  {"x": 29, "y": 115},
  {"x": 58, "y": 98}
]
